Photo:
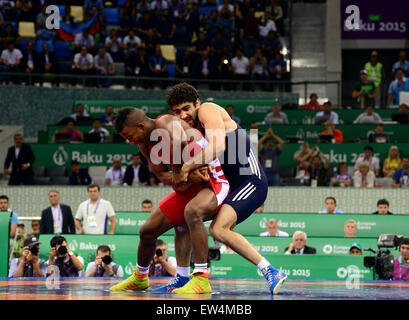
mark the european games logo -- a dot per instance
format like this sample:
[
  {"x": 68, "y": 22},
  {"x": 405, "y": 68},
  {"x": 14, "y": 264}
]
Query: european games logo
[{"x": 60, "y": 157}]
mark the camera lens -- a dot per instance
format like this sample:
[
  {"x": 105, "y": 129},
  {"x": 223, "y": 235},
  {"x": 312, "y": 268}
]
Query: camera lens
[
  {"x": 159, "y": 252},
  {"x": 107, "y": 259},
  {"x": 34, "y": 251},
  {"x": 62, "y": 250}
]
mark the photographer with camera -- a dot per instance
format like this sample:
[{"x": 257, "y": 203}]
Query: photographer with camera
[
  {"x": 103, "y": 266},
  {"x": 68, "y": 263},
  {"x": 162, "y": 265},
  {"x": 29, "y": 265},
  {"x": 401, "y": 264}
]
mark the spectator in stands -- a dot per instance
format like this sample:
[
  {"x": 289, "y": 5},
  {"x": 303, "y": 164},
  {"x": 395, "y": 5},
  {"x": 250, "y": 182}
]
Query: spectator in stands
[
  {"x": 178, "y": 10},
  {"x": 4, "y": 206},
  {"x": 270, "y": 156},
  {"x": 326, "y": 114},
  {"x": 378, "y": 136},
  {"x": 35, "y": 229},
  {"x": 68, "y": 18},
  {"x": 137, "y": 173},
  {"x": 127, "y": 8},
  {"x": 146, "y": 26},
  {"x": 355, "y": 249},
  {"x": 104, "y": 66},
  {"x": 400, "y": 84},
  {"x": 313, "y": 104},
  {"x": 365, "y": 91},
  {"x": 114, "y": 45},
  {"x": 103, "y": 266},
  {"x": 230, "y": 111},
  {"x": 7, "y": 34},
  {"x": 383, "y": 207},
  {"x": 317, "y": 171},
  {"x": 364, "y": 177},
  {"x": 108, "y": 117},
  {"x": 146, "y": 205},
  {"x": 30, "y": 264},
  {"x": 115, "y": 175},
  {"x": 205, "y": 68},
  {"x": 78, "y": 175},
  {"x": 131, "y": 42},
  {"x": 68, "y": 263},
  {"x": 260, "y": 209},
  {"x": 331, "y": 206},
  {"x": 266, "y": 25},
  {"x": 136, "y": 65},
  {"x": 350, "y": 228},
  {"x": 276, "y": 117},
  {"x": 342, "y": 178},
  {"x": 278, "y": 70},
  {"x": 331, "y": 131},
  {"x": 401, "y": 64},
  {"x": 193, "y": 19},
  {"x": 224, "y": 73},
  {"x": 29, "y": 63},
  {"x": 166, "y": 27},
  {"x": 75, "y": 135},
  {"x": 42, "y": 32},
  {"x": 303, "y": 157},
  {"x": 250, "y": 31},
  {"x": 94, "y": 213},
  {"x": 158, "y": 66},
  {"x": 402, "y": 117},
  {"x": 57, "y": 218},
  {"x": 369, "y": 116},
  {"x": 83, "y": 64},
  {"x": 368, "y": 157},
  {"x": 375, "y": 69},
  {"x": 158, "y": 6},
  {"x": 84, "y": 39},
  {"x": 401, "y": 264},
  {"x": 102, "y": 133},
  {"x": 79, "y": 114},
  {"x": 162, "y": 265},
  {"x": 213, "y": 24},
  {"x": 185, "y": 65},
  {"x": 201, "y": 45},
  {"x": 400, "y": 178},
  {"x": 218, "y": 46},
  {"x": 19, "y": 241},
  {"x": 10, "y": 62},
  {"x": 88, "y": 4},
  {"x": 392, "y": 162},
  {"x": 240, "y": 68},
  {"x": 47, "y": 64},
  {"x": 276, "y": 11},
  {"x": 22, "y": 159},
  {"x": 259, "y": 69},
  {"x": 299, "y": 244},
  {"x": 273, "y": 230}
]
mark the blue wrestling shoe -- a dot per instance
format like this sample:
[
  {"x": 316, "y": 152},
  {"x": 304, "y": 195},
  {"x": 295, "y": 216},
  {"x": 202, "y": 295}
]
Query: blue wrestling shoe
[
  {"x": 275, "y": 278},
  {"x": 175, "y": 283}
]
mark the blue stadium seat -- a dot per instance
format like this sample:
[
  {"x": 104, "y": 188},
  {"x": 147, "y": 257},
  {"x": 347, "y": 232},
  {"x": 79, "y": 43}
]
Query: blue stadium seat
[
  {"x": 13, "y": 23},
  {"x": 112, "y": 15},
  {"x": 39, "y": 45},
  {"x": 172, "y": 70},
  {"x": 62, "y": 49},
  {"x": 23, "y": 43},
  {"x": 207, "y": 10},
  {"x": 62, "y": 10},
  {"x": 120, "y": 2}
]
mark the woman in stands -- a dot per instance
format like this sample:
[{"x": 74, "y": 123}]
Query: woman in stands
[
  {"x": 364, "y": 177},
  {"x": 392, "y": 162}
]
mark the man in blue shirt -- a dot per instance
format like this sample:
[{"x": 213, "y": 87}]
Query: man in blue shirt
[
  {"x": 4, "y": 207},
  {"x": 331, "y": 206},
  {"x": 400, "y": 178},
  {"x": 158, "y": 65},
  {"x": 400, "y": 84},
  {"x": 401, "y": 64},
  {"x": 88, "y": 4}
]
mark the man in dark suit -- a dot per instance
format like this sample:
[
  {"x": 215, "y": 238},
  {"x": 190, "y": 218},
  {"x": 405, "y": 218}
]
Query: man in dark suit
[
  {"x": 137, "y": 173},
  {"x": 29, "y": 63},
  {"x": 78, "y": 175},
  {"x": 22, "y": 158},
  {"x": 299, "y": 245},
  {"x": 47, "y": 63},
  {"x": 57, "y": 218}
]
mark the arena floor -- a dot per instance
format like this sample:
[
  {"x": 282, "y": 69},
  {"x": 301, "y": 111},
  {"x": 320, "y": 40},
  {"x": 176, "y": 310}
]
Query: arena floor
[{"x": 223, "y": 289}]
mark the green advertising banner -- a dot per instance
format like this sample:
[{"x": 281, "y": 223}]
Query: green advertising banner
[
  {"x": 350, "y": 132},
  {"x": 90, "y": 154},
  {"x": 315, "y": 225},
  {"x": 124, "y": 250},
  {"x": 4, "y": 242},
  {"x": 247, "y": 110}
]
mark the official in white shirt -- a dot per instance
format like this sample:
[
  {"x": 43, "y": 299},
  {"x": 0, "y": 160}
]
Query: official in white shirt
[{"x": 115, "y": 175}]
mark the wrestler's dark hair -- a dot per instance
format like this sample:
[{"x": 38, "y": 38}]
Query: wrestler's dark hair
[
  {"x": 182, "y": 92},
  {"x": 121, "y": 118}
]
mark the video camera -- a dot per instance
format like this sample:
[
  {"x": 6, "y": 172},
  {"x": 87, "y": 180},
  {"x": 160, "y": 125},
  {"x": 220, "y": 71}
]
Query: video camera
[
  {"x": 383, "y": 262},
  {"x": 62, "y": 250},
  {"x": 213, "y": 254}
]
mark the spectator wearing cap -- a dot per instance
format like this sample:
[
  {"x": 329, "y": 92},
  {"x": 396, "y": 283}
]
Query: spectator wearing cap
[
  {"x": 355, "y": 249},
  {"x": 364, "y": 91},
  {"x": 326, "y": 114},
  {"x": 368, "y": 157},
  {"x": 400, "y": 84},
  {"x": 276, "y": 117},
  {"x": 369, "y": 116},
  {"x": 273, "y": 230},
  {"x": 30, "y": 264},
  {"x": 313, "y": 104},
  {"x": 401, "y": 64}
]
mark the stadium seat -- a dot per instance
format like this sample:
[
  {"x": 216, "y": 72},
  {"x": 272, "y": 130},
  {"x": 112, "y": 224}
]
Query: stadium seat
[
  {"x": 39, "y": 171},
  {"x": 112, "y": 15},
  {"x": 23, "y": 44},
  {"x": 259, "y": 14},
  {"x": 287, "y": 172},
  {"x": 53, "y": 172},
  {"x": 204, "y": 11},
  {"x": 26, "y": 29},
  {"x": 76, "y": 11},
  {"x": 39, "y": 45},
  {"x": 42, "y": 180},
  {"x": 168, "y": 52},
  {"x": 62, "y": 10},
  {"x": 13, "y": 23},
  {"x": 60, "y": 181},
  {"x": 62, "y": 49},
  {"x": 172, "y": 70}
]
